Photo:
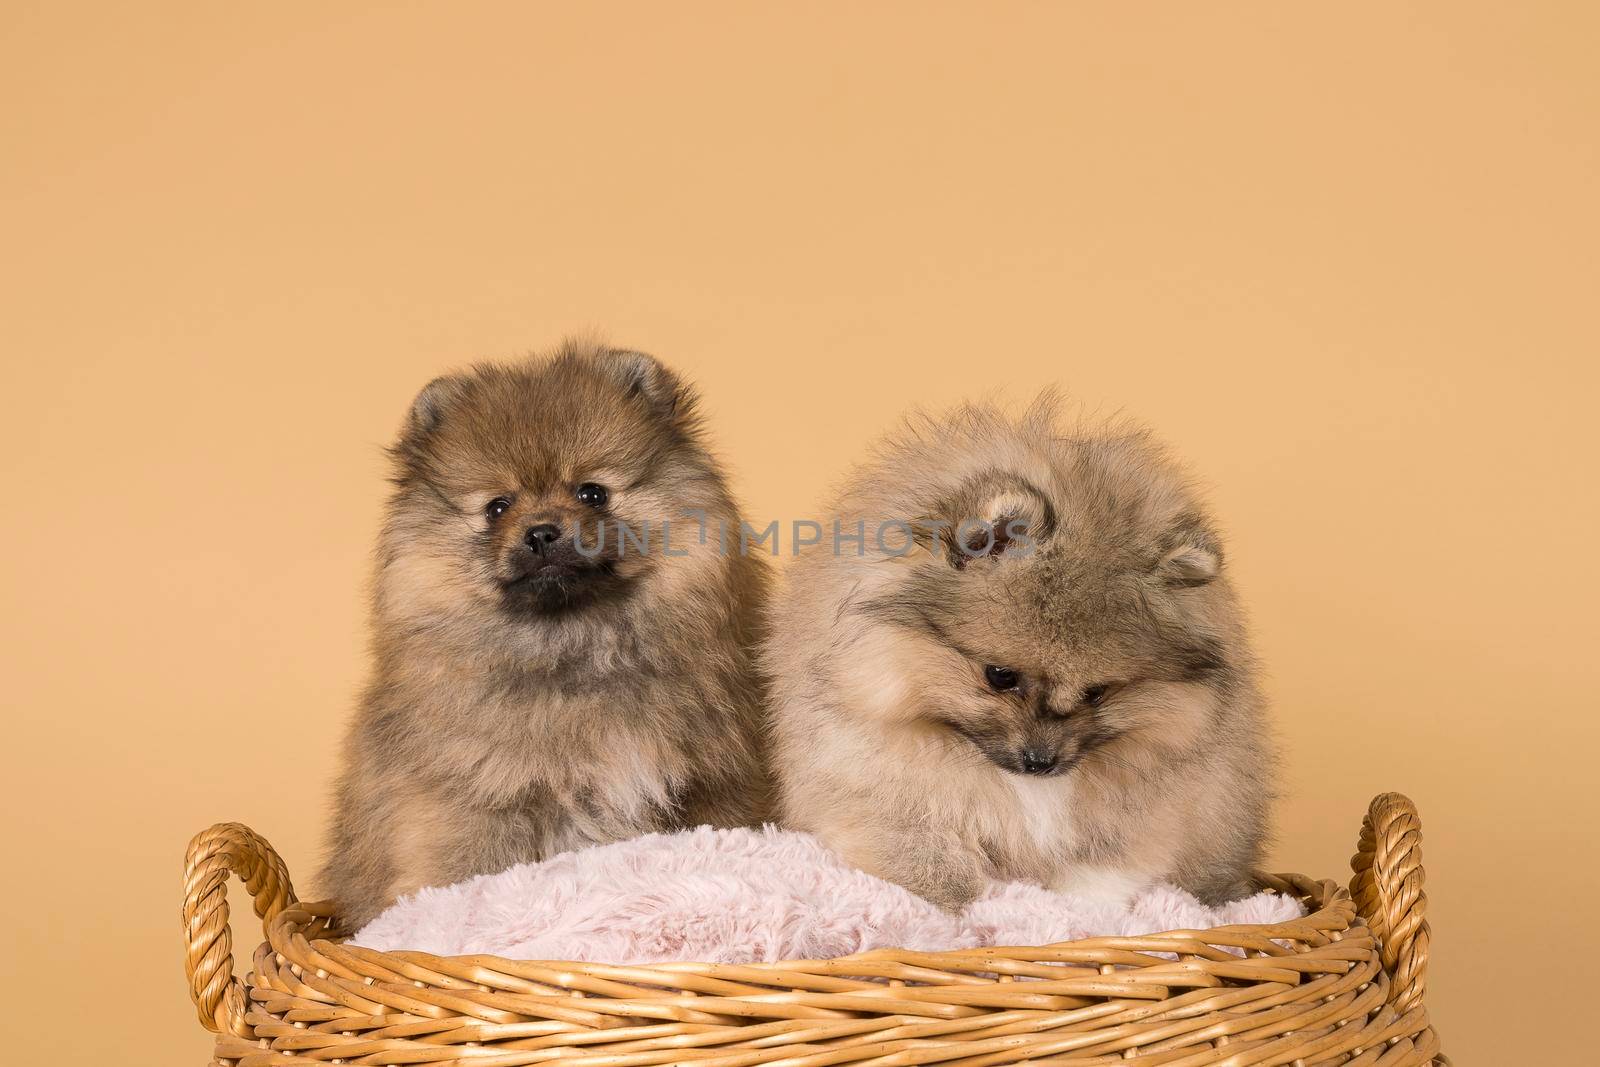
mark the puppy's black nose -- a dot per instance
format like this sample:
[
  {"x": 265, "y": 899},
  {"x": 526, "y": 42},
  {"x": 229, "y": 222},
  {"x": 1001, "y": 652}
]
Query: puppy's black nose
[
  {"x": 1036, "y": 762},
  {"x": 542, "y": 536}
]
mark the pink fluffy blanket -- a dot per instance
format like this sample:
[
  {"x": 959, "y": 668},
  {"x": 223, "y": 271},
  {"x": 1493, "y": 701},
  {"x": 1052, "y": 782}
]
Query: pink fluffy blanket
[{"x": 742, "y": 896}]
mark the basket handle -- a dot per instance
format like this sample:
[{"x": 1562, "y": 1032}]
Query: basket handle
[
  {"x": 1388, "y": 893},
  {"x": 227, "y": 847}
]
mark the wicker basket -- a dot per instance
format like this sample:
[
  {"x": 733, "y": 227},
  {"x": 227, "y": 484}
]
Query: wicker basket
[{"x": 1344, "y": 985}]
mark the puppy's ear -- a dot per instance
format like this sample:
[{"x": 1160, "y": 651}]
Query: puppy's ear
[
  {"x": 1193, "y": 556},
  {"x": 428, "y": 409},
  {"x": 427, "y": 413},
  {"x": 994, "y": 517},
  {"x": 646, "y": 377}
]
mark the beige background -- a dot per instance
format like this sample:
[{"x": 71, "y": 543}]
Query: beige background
[{"x": 1344, "y": 259}]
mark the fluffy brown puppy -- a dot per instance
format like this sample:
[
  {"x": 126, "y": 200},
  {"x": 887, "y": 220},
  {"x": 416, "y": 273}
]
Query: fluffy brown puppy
[
  {"x": 542, "y": 678},
  {"x": 1022, "y": 661}
]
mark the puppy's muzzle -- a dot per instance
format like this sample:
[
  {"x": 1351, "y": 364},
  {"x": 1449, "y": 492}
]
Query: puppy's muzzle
[{"x": 547, "y": 551}]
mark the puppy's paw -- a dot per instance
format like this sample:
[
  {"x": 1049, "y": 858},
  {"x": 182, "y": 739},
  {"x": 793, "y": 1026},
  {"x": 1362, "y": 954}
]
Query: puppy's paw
[
  {"x": 952, "y": 891},
  {"x": 950, "y": 877},
  {"x": 938, "y": 871}
]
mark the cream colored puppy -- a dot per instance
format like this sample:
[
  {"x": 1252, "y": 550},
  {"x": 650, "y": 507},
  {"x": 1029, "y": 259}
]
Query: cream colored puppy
[{"x": 1031, "y": 666}]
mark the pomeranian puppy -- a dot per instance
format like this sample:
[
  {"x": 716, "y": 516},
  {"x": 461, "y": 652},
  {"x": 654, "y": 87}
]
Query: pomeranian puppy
[
  {"x": 1019, "y": 658},
  {"x": 562, "y": 656}
]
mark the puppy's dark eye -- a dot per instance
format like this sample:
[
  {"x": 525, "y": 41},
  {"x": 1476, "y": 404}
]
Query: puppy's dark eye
[
  {"x": 1000, "y": 678},
  {"x": 1096, "y": 695},
  {"x": 497, "y": 507},
  {"x": 593, "y": 494}
]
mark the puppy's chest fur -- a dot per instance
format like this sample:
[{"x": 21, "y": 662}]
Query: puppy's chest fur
[
  {"x": 1025, "y": 827},
  {"x": 1039, "y": 815},
  {"x": 1028, "y": 828},
  {"x": 556, "y": 766}
]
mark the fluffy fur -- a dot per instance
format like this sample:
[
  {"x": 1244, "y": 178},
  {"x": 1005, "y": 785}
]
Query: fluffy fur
[
  {"x": 1094, "y": 640},
  {"x": 528, "y": 698},
  {"x": 742, "y": 896}
]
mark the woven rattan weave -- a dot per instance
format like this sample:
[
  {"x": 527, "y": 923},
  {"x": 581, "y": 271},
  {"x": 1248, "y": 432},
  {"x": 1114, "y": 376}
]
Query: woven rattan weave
[{"x": 1344, "y": 985}]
